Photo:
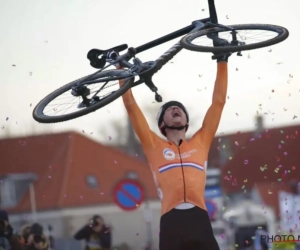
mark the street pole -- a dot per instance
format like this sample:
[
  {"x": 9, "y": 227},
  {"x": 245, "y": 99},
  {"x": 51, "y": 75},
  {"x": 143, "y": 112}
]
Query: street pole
[
  {"x": 148, "y": 220},
  {"x": 32, "y": 201}
]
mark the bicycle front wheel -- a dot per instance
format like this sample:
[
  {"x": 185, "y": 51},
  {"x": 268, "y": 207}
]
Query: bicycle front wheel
[
  {"x": 97, "y": 90},
  {"x": 250, "y": 36}
]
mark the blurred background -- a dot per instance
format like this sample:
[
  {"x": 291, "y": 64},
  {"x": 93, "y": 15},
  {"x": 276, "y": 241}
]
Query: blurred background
[{"x": 60, "y": 175}]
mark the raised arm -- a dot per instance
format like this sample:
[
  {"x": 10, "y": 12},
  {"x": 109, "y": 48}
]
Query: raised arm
[
  {"x": 138, "y": 120},
  {"x": 213, "y": 115}
]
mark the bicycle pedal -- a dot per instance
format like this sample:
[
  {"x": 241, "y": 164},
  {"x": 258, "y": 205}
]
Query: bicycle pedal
[{"x": 158, "y": 97}]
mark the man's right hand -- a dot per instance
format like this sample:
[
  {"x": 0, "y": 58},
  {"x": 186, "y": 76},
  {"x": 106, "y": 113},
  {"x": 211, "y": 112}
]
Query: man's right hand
[{"x": 222, "y": 57}]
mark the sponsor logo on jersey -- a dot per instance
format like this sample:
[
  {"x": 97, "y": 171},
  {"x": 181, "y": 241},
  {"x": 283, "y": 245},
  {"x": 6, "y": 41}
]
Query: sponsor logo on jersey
[{"x": 169, "y": 154}]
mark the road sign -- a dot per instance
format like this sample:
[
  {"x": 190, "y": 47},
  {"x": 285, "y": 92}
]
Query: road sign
[
  {"x": 213, "y": 192},
  {"x": 211, "y": 208},
  {"x": 128, "y": 194}
]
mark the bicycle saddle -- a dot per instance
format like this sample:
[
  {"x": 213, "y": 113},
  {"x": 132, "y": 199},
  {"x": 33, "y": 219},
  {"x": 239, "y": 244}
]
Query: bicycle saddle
[{"x": 98, "y": 63}]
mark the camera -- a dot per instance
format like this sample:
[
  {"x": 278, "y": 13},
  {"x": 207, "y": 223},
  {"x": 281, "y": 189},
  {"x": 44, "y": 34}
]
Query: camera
[
  {"x": 94, "y": 221},
  {"x": 37, "y": 238}
]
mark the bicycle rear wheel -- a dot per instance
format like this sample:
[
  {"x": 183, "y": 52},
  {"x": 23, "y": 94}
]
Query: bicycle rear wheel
[
  {"x": 83, "y": 104},
  {"x": 277, "y": 34}
]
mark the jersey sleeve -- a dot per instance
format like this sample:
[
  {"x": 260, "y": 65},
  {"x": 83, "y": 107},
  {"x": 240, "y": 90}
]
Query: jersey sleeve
[
  {"x": 138, "y": 120},
  {"x": 213, "y": 116}
]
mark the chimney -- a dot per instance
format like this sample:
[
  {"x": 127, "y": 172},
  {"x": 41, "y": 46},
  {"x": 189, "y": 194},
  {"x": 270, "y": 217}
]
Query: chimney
[{"x": 259, "y": 125}]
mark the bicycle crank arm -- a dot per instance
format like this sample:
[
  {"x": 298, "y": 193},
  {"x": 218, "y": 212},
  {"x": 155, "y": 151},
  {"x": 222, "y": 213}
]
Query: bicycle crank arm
[{"x": 148, "y": 81}]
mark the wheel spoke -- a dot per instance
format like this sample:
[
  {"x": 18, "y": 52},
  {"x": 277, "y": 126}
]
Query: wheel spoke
[
  {"x": 248, "y": 37},
  {"x": 63, "y": 105}
]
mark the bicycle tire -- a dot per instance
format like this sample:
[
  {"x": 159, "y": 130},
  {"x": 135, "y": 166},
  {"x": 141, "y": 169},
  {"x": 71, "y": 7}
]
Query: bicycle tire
[
  {"x": 39, "y": 116},
  {"x": 282, "y": 32}
]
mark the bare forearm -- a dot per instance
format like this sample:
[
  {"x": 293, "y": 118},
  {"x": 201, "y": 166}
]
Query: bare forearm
[
  {"x": 138, "y": 121},
  {"x": 127, "y": 97},
  {"x": 220, "y": 89}
]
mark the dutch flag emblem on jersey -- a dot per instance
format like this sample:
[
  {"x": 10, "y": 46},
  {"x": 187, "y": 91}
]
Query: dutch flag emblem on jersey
[{"x": 176, "y": 165}]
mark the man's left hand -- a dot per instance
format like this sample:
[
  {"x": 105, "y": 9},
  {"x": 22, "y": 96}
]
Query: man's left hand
[{"x": 222, "y": 57}]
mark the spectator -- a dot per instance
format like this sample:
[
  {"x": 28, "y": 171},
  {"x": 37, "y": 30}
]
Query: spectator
[
  {"x": 51, "y": 238},
  {"x": 259, "y": 243},
  {"x": 96, "y": 234},
  {"x": 8, "y": 240},
  {"x": 24, "y": 234},
  {"x": 34, "y": 238}
]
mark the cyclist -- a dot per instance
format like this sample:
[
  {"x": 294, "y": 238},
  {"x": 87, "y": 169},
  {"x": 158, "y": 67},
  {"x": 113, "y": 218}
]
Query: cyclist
[{"x": 179, "y": 165}]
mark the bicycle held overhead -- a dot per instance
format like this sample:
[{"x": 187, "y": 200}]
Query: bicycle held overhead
[{"x": 91, "y": 98}]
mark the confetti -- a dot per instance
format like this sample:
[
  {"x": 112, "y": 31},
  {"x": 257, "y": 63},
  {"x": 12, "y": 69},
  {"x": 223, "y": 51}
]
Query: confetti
[
  {"x": 22, "y": 142},
  {"x": 263, "y": 168}
]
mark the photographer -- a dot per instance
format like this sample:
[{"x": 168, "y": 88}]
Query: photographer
[
  {"x": 36, "y": 239},
  {"x": 96, "y": 234},
  {"x": 8, "y": 240}
]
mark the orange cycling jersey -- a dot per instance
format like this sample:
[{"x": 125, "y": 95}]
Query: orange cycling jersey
[{"x": 179, "y": 172}]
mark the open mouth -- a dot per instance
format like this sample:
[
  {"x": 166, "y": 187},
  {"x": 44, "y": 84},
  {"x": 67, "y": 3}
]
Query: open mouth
[{"x": 176, "y": 114}]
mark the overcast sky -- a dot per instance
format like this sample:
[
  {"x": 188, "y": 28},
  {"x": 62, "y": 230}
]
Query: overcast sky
[{"x": 51, "y": 38}]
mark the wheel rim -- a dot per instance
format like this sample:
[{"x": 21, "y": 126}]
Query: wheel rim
[
  {"x": 65, "y": 104},
  {"x": 248, "y": 35}
]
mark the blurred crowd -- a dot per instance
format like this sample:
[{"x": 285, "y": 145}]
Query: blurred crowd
[{"x": 95, "y": 233}]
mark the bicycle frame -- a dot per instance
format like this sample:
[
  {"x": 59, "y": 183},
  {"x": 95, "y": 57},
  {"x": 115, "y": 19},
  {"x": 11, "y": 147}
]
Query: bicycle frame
[
  {"x": 176, "y": 48},
  {"x": 195, "y": 26},
  {"x": 169, "y": 54}
]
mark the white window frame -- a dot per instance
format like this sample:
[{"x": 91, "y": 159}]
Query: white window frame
[{"x": 7, "y": 193}]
